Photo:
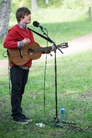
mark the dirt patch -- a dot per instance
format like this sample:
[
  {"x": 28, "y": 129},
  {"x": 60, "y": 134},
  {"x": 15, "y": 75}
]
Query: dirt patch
[
  {"x": 3, "y": 64},
  {"x": 79, "y": 44}
]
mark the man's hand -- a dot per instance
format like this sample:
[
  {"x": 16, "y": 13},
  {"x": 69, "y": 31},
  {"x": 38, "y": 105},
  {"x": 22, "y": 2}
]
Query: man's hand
[{"x": 26, "y": 41}]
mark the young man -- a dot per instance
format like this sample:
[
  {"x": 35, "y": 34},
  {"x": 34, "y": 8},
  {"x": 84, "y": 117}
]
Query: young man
[{"x": 18, "y": 37}]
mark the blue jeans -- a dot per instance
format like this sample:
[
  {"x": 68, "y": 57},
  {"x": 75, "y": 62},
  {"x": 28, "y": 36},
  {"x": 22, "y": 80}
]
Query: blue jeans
[{"x": 19, "y": 79}]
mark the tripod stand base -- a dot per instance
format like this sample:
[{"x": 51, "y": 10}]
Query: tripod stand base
[
  {"x": 59, "y": 125},
  {"x": 67, "y": 122},
  {"x": 57, "y": 122}
]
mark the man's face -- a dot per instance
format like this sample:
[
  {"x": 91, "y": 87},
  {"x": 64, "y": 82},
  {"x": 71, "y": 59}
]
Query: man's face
[{"x": 26, "y": 19}]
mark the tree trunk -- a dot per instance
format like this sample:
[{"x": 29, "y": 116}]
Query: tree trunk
[
  {"x": 4, "y": 17},
  {"x": 34, "y": 4},
  {"x": 47, "y": 2}
]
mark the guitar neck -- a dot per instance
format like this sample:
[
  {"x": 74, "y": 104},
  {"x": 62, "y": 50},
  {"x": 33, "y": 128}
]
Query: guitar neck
[{"x": 46, "y": 49}]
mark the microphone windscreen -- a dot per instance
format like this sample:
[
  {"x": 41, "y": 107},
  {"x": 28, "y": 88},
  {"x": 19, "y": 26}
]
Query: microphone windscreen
[{"x": 35, "y": 23}]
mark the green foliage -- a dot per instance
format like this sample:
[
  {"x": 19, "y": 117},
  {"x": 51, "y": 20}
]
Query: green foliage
[
  {"x": 18, "y": 3},
  {"x": 70, "y": 4},
  {"x": 73, "y": 4},
  {"x": 0, "y": 2}
]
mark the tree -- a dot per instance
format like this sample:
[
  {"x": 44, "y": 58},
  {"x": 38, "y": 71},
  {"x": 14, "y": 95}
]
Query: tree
[
  {"x": 47, "y": 2},
  {"x": 4, "y": 17},
  {"x": 34, "y": 4}
]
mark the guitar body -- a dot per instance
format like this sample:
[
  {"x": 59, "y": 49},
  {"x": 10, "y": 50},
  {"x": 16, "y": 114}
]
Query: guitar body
[
  {"x": 22, "y": 56},
  {"x": 33, "y": 51}
]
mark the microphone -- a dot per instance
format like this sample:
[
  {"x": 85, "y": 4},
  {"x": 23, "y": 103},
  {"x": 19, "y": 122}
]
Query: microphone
[{"x": 37, "y": 24}]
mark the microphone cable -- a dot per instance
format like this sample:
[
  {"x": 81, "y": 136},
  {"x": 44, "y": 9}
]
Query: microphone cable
[{"x": 45, "y": 67}]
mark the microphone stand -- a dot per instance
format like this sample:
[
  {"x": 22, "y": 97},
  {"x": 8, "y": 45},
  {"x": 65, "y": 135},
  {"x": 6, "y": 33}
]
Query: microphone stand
[{"x": 56, "y": 119}]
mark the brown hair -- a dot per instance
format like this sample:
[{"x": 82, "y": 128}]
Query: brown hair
[{"x": 21, "y": 12}]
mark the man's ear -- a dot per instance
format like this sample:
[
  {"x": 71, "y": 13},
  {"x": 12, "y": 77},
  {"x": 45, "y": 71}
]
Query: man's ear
[{"x": 22, "y": 18}]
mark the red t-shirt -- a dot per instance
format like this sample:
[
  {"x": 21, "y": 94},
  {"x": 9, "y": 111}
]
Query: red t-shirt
[{"x": 15, "y": 34}]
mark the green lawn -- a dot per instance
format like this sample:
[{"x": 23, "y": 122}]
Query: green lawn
[{"x": 74, "y": 92}]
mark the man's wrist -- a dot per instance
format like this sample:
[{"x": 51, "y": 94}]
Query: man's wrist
[{"x": 20, "y": 44}]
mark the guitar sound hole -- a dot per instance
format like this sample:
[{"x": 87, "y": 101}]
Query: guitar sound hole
[{"x": 30, "y": 51}]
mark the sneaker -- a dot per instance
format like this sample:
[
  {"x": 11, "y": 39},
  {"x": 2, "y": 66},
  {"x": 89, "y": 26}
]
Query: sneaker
[
  {"x": 26, "y": 118},
  {"x": 20, "y": 121}
]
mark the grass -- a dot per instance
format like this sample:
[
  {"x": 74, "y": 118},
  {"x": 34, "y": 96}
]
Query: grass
[
  {"x": 74, "y": 92},
  {"x": 74, "y": 79}
]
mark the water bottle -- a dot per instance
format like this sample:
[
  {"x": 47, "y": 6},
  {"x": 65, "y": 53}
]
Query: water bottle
[{"x": 63, "y": 118}]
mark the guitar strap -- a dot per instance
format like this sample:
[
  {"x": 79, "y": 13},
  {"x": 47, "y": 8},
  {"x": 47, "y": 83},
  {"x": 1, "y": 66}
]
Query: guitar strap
[{"x": 46, "y": 38}]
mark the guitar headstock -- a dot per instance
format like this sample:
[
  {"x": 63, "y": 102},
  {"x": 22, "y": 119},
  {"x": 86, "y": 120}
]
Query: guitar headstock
[{"x": 64, "y": 45}]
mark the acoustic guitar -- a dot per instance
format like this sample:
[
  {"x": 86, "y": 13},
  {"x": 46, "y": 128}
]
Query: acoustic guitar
[{"x": 33, "y": 51}]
